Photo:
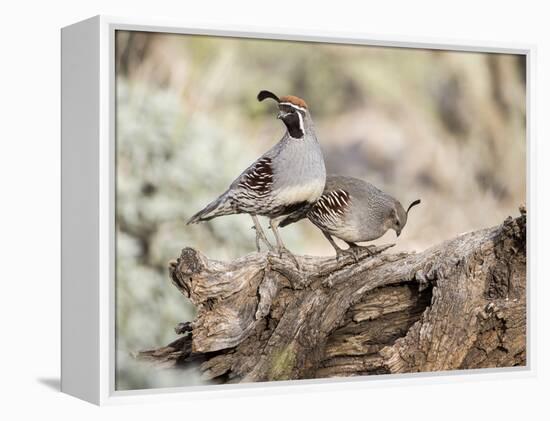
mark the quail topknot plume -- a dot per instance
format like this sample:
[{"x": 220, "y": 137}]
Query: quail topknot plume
[
  {"x": 286, "y": 179},
  {"x": 354, "y": 211}
]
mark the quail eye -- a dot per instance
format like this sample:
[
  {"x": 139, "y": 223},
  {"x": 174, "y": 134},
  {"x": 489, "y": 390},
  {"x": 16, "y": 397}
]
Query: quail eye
[{"x": 287, "y": 109}]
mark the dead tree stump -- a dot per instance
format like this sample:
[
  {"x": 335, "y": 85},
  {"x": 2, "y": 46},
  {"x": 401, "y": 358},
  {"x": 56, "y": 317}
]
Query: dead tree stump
[{"x": 458, "y": 305}]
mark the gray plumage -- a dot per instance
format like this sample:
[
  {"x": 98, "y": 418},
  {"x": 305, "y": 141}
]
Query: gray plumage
[
  {"x": 354, "y": 211},
  {"x": 284, "y": 180}
]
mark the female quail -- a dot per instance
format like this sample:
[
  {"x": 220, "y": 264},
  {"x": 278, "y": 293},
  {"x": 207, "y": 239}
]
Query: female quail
[
  {"x": 284, "y": 180},
  {"x": 354, "y": 211}
]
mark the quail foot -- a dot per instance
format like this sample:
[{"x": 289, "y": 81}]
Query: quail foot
[
  {"x": 354, "y": 211},
  {"x": 283, "y": 181}
]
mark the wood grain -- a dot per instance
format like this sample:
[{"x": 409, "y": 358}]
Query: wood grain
[{"x": 458, "y": 305}]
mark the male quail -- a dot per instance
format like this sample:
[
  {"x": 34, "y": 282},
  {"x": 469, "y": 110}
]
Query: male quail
[
  {"x": 287, "y": 178},
  {"x": 354, "y": 211}
]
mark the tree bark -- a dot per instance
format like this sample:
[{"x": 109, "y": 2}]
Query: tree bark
[{"x": 458, "y": 305}]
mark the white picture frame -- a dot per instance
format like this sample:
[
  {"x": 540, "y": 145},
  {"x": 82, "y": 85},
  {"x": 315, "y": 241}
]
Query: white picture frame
[{"x": 88, "y": 219}]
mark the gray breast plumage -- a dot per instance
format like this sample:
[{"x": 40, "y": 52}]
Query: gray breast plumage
[
  {"x": 299, "y": 172},
  {"x": 289, "y": 176}
]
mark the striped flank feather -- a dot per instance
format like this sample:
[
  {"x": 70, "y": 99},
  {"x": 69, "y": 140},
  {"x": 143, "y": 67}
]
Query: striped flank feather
[{"x": 330, "y": 208}]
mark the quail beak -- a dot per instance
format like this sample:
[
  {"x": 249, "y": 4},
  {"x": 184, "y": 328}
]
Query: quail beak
[
  {"x": 398, "y": 232},
  {"x": 281, "y": 115}
]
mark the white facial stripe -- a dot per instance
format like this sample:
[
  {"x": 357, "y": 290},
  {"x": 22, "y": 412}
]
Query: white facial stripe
[
  {"x": 301, "y": 126},
  {"x": 293, "y": 106},
  {"x": 301, "y": 123}
]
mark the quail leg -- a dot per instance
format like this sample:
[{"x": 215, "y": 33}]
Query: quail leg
[
  {"x": 274, "y": 223},
  {"x": 339, "y": 252},
  {"x": 356, "y": 249},
  {"x": 260, "y": 235}
]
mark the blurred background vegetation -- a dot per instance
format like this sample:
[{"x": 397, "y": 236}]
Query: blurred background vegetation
[{"x": 446, "y": 127}]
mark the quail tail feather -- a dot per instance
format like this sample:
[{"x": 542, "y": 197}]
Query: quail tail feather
[
  {"x": 295, "y": 216},
  {"x": 219, "y": 207}
]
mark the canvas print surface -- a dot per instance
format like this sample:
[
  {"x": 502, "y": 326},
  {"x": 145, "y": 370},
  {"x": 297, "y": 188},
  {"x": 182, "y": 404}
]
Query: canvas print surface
[{"x": 290, "y": 210}]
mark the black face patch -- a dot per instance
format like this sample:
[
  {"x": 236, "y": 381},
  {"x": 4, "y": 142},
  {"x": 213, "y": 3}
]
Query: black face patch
[{"x": 292, "y": 123}]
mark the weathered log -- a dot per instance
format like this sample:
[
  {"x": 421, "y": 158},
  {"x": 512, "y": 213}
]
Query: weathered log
[{"x": 458, "y": 305}]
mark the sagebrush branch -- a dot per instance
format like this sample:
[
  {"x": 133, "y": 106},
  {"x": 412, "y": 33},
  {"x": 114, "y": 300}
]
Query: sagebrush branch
[{"x": 458, "y": 305}]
